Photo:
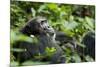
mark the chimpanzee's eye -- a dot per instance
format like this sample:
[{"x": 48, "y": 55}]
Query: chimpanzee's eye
[
  {"x": 43, "y": 21},
  {"x": 48, "y": 26}
]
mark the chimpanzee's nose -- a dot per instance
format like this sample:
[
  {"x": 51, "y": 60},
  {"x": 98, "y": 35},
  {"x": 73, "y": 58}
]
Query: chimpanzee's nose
[
  {"x": 48, "y": 26},
  {"x": 44, "y": 28}
]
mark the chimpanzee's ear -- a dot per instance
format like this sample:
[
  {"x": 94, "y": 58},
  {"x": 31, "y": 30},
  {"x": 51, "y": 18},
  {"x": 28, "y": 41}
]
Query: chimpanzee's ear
[{"x": 26, "y": 30}]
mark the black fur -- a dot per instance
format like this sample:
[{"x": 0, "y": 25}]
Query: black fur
[{"x": 46, "y": 38}]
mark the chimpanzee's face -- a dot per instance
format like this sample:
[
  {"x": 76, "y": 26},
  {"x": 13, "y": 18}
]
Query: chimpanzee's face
[{"x": 41, "y": 25}]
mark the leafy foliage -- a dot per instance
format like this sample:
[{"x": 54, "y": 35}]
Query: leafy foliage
[{"x": 60, "y": 17}]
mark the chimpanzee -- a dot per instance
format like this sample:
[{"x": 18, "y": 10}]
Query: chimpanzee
[
  {"x": 45, "y": 34},
  {"x": 89, "y": 42}
]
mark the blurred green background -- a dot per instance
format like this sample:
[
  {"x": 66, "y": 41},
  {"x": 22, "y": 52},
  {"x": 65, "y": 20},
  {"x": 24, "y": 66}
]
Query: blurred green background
[{"x": 74, "y": 20}]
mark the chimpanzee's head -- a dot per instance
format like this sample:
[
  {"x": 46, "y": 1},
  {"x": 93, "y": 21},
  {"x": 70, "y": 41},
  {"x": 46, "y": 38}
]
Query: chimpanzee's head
[{"x": 38, "y": 26}]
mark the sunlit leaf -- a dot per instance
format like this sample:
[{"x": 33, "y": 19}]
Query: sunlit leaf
[
  {"x": 14, "y": 64},
  {"x": 31, "y": 63},
  {"x": 89, "y": 59},
  {"x": 33, "y": 12},
  {"x": 76, "y": 58}
]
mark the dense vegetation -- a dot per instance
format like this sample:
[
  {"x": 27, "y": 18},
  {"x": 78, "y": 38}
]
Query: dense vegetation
[{"x": 68, "y": 18}]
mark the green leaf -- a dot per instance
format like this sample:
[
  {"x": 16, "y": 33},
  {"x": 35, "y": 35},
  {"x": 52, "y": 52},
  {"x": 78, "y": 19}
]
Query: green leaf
[
  {"x": 89, "y": 59},
  {"x": 14, "y": 64},
  {"x": 89, "y": 22},
  {"x": 80, "y": 44},
  {"x": 52, "y": 6},
  {"x": 17, "y": 50},
  {"x": 76, "y": 58},
  {"x": 31, "y": 63},
  {"x": 33, "y": 12}
]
